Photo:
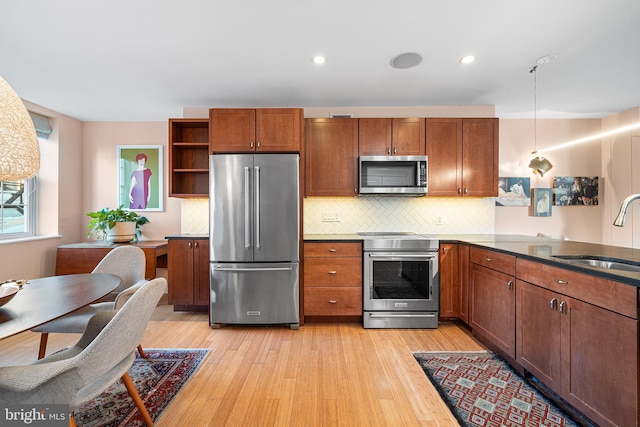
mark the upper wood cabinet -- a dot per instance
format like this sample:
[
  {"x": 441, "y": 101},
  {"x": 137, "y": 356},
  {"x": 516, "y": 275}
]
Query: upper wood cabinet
[
  {"x": 239, "y": 130},
  {"x": 331, "y": 157},
  {"x": 463, "y": 156},
  {"x": 391, "y": 137},
  {"x": 188, "y": 157}
]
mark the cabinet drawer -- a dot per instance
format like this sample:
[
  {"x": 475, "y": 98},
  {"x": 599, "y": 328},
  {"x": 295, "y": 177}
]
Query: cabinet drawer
[
  {"x": 332, "y": 272},
  {"x": 332, "y": 249},
  {"x": 495, "y": 260},
  {"x": 600, "y": 292},
  {"x": 333, "y": 301}
]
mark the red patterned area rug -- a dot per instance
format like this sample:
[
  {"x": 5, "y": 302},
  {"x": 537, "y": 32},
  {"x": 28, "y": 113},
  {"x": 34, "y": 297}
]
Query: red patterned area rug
[
  {"x": 158, "y": 380},
  {"x": 481, "y": 389}
]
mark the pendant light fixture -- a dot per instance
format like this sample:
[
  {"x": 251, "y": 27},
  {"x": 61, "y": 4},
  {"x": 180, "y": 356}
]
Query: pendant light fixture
[
  {"x": 19, "y": 148},
  {"x": 538, "y": 164}
]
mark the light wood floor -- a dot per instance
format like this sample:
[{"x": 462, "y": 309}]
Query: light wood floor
[{"x": 320, "y": 375}]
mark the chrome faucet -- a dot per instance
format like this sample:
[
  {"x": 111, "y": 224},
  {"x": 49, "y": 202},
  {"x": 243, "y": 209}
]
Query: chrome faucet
[{"x": 619, "y": 221}]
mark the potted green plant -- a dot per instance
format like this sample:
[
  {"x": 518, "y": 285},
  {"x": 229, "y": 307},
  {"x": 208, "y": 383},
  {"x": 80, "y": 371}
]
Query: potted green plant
[{"x": 116, "y": 225}]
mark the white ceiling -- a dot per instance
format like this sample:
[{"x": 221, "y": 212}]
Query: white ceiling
[{"x": 139, "y": 60}]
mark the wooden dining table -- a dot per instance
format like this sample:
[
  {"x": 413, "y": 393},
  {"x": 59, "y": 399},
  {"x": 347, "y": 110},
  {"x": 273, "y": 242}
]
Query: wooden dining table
[{"x": 48, "y": 298}]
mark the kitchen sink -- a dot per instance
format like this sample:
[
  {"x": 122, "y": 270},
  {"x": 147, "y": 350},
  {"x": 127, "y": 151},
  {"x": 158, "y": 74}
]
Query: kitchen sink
[{"x": 601, "y": 262}]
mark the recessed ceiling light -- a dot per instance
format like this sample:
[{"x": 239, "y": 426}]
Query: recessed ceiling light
[
  {"x": 319, "y": 59},
  {"x": 406, "y": 60},
  {"x": 467, "y": 59},
  {"x": 546, "y": 59}
]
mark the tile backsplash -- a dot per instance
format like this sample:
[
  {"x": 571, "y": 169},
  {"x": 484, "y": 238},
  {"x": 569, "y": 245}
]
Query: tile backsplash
[{"x": 431, "y": 215}]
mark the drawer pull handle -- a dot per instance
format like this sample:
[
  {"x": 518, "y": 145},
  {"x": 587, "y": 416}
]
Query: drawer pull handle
[
  {"x": 510, "y": 284},
  {"x": 489, "y": 259},
  {"x": 332, "y": 272},
  {"x": 554, "y": 304},
  {"x": 332, "y": 250},
  {"x": 332, "y": 301},
  {"x": 562, "y": 282}
]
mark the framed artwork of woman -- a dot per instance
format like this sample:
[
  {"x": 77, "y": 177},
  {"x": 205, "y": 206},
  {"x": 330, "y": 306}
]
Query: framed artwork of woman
[{"x": 140, "y": 177}]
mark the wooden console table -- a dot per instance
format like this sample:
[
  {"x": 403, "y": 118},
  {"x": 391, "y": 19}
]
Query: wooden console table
[{"x": 77, "y": 258}]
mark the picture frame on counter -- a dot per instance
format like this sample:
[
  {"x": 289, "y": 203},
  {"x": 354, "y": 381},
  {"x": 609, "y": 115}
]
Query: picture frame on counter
[
  {"x": 513, "y": 191},
  {"x": 541, "y": 202},
  {"x": 140, "y": 177},
  {"x": 575, "y": 190}
]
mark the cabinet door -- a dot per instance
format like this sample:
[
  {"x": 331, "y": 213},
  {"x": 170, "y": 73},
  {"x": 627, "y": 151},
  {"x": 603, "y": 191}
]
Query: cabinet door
[
  {"x": 600, "y": 363},
  {"x": 538, "y": 333},
  {"x": 331, "y": 157},
  {"x": 408, "y": 137},
  {"x": 180, "y": 272},
  {"x": 201, "y": 287},
  {"x": 480, "y": 157},
  {"x": 232, "y": 130},
  {"x": 449, "y": 280},
  {"x": 374, "y": 137},
  {"x": 278, "y": 129},
  {"x": 493, "y": 307},
  {"x": 444, "y": 149}
]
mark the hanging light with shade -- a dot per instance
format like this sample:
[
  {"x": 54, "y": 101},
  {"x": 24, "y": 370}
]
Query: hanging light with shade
[
  {"x": 539, "y": 165},
  {"x": 19, "y": 148}
]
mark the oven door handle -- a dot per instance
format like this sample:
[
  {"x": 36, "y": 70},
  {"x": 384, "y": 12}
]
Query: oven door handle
[
  {"x": 388, "y": 256},
  {"x": 373, "y": 316}
]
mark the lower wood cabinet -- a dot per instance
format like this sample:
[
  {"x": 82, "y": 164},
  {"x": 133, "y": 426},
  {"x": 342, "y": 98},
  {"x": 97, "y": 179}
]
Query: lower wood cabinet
[
  {"x": 332, "y": 279},
  {"x": 493, "y": 298},
  {"x": 189, "y": 274},
  {"x": 586, "y": 353},
  {"x": 448, "y": 267}
]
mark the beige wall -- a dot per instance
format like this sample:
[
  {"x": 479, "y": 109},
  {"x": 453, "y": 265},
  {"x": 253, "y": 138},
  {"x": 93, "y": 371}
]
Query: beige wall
[
  {"x": 100, "y": 172},
  {"x": 621, "y": 174},
  {"x": 582, "y": 223}
]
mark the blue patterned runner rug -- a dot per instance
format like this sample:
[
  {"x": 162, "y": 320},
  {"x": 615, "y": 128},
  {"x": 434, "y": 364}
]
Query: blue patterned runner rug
[
  {"x": 158, "y": 380},
  {"x": 481, "y": 389}
]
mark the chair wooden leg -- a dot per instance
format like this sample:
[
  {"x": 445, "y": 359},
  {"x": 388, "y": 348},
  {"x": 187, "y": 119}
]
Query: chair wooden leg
[
  {"x": 43, "y": 345},
  {"x": 72, "y": 421},
  {"x": 142, "y": 353},
  {"x": 128, "y": 383}
]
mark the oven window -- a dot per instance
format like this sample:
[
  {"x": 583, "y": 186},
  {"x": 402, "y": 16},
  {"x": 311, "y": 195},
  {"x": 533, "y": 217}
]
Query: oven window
[{"x": 401, "y": 280}]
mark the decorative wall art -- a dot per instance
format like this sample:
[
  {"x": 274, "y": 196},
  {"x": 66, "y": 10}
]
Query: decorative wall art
[
  {"x": 575, "y": 190},
  {"x": 140, "y": 177},
  {"x": 540, "y": 202},
  {"x": 513, "y": 191}
]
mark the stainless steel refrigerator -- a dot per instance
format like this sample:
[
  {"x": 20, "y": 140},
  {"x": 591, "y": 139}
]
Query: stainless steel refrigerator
[{"x": 254, "y": 239}]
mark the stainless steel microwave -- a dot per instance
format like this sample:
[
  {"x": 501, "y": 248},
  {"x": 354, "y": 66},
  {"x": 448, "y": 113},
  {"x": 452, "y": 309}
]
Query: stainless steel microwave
[{"x": 393, "y": 175}]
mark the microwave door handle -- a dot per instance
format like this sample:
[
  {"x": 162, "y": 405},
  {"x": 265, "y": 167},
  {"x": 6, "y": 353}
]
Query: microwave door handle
[
  {"x": 257, "y": 190},
  {"x": 247, "y": 209},
  {"x": 418, "y": 183}
]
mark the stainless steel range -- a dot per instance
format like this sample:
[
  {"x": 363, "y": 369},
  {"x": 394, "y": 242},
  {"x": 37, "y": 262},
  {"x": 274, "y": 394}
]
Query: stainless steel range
[{"x": 401, "y": 280}]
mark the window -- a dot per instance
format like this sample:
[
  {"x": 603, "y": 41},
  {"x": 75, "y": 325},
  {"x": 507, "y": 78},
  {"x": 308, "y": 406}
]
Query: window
[{"x": 18, "y": 209}]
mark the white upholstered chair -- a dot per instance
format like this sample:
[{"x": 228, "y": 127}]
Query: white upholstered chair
[
  {"x": 104, "y": 354},
  {"x": 126, "y": 262}
]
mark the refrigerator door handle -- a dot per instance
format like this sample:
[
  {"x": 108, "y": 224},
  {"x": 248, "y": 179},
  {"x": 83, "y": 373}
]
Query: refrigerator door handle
[
  {"x": 247, "y": 209},
  {"x": 257, "y": 190},
  {"x": 219, "y": 268}
]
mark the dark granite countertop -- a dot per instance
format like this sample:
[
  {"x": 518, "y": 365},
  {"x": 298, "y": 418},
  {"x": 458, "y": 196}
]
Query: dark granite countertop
[
  {"x": 188, "y": 237},
  {"x": 540, "y": 249}
]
